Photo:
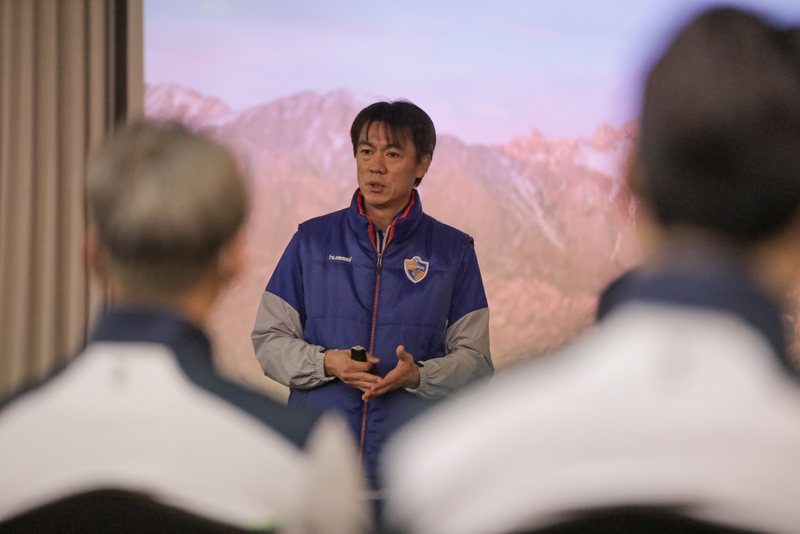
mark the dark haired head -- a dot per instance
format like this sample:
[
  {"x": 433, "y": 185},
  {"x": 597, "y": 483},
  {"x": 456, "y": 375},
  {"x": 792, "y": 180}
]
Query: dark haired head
[
  {"x": 720, "y": 133},
  {"x": 403, "y": 121}
]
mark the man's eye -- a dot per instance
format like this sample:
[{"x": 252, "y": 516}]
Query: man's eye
[
  {"x": 366, "y": 151},
  {"x": 393, "y": 155}
]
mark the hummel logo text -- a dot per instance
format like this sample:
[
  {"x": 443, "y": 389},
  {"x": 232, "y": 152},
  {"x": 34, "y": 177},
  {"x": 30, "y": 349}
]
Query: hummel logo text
[{"x": 331, "y": 257}]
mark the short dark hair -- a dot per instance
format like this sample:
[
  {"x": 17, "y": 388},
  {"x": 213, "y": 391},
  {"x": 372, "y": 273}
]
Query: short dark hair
[
  {"x": 402, "y": 119},
  {"x": 719, "y": 144}
]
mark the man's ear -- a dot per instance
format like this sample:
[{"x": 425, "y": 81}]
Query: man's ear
[
  {"x": 777, "y": 262},
  {"x": 422, "y": 168},
  {"x": 233, "y": 257},
  {"x": 633, "y": 173},
  {"x": 650, "y": 233},
  {"x": 94, "y": 255},
  {"x": 634, "y": 179}
]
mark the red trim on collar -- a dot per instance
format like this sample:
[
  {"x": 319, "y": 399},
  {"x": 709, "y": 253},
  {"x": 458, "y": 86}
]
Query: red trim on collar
[
  {"x": 362, "y": 212},
  {"x": 403, "y": 216},
  {"x": 411, "y": 203},
  {"x": 359, "y": 199}
]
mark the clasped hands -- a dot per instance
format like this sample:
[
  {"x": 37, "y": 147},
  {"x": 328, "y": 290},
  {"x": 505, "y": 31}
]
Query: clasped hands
[{"x": 357, "y": 374}]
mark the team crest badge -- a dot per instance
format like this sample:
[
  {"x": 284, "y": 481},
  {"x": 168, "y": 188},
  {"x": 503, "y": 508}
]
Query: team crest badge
[{"x": 416, "y": 269}]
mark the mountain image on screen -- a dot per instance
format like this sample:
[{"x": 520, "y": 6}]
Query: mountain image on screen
[{"x": 552, "y": 220}]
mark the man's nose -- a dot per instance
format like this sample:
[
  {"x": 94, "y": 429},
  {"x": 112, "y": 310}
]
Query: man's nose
[{"x": 378, "y": 164}]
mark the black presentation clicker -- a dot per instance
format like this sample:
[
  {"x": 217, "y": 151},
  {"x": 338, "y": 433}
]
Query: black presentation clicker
[{"x": 358, "y": 354}]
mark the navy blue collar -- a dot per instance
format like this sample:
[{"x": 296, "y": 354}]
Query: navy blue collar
[
  {"x": 711, "y": 287},
  {"x": 149, "y": 325},
  {"x": 192, "y": 350}
]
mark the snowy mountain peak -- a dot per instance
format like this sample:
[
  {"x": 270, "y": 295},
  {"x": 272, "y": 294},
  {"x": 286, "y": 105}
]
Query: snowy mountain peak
[{"x": 178, "y": 103}]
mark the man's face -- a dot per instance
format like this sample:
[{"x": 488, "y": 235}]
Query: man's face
[{"x": 387, "y": 171}]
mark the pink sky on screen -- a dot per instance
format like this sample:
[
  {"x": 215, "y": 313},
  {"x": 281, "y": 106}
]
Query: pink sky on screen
[{"x": 486, "y": 71}]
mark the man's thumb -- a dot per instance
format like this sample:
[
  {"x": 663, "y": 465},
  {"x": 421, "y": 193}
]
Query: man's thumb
[{"x": 402, "y": 354}]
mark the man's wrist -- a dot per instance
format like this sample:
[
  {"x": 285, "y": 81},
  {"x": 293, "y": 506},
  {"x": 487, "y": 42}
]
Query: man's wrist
[
  {"x": 322, "y": 364},
  {"x": 418, "y": 372}
]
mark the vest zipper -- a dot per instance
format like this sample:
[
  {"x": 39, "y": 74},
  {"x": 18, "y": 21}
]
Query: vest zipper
[
  {"x": 378, "y": 268},
  {"x": 380, "y": 247}
]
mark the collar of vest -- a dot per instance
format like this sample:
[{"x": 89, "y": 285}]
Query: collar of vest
[
  {"x": 716, "y": 287},
  {"x": 403, "y": 226},
  {"x": 149, "y": 325},
  {"x": 192, "y": 350}
]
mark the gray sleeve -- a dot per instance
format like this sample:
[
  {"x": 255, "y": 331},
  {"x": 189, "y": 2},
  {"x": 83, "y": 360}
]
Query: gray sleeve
[
  {"x": 280, "y": 348},
  {"x": 467, "y": 358}
]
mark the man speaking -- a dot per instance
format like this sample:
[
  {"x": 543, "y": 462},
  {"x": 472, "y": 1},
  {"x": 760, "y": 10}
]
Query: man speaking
[{"x": 382, "y": 275}]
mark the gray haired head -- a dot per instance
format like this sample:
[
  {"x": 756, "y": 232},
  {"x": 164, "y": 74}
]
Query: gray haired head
[{"x": 164, "y": 202}]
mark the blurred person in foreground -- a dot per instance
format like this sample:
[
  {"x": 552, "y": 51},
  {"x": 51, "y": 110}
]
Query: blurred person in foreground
[
  {"x": 681, "y": 410},
  {"x": 141, "y": 408},
  {"x": 383, "y": 275}
]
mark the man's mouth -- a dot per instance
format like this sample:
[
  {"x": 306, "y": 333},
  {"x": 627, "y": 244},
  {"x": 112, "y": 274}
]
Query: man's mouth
[{"x": 375, "y": 186}]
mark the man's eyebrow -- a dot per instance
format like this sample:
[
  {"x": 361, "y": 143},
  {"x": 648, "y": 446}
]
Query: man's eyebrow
[{"x": 372, "y": 145}]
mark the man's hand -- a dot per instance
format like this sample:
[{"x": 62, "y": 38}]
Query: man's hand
[
  {"x": 404, "y": 375},
  {"x": 356, "y": 374}
]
